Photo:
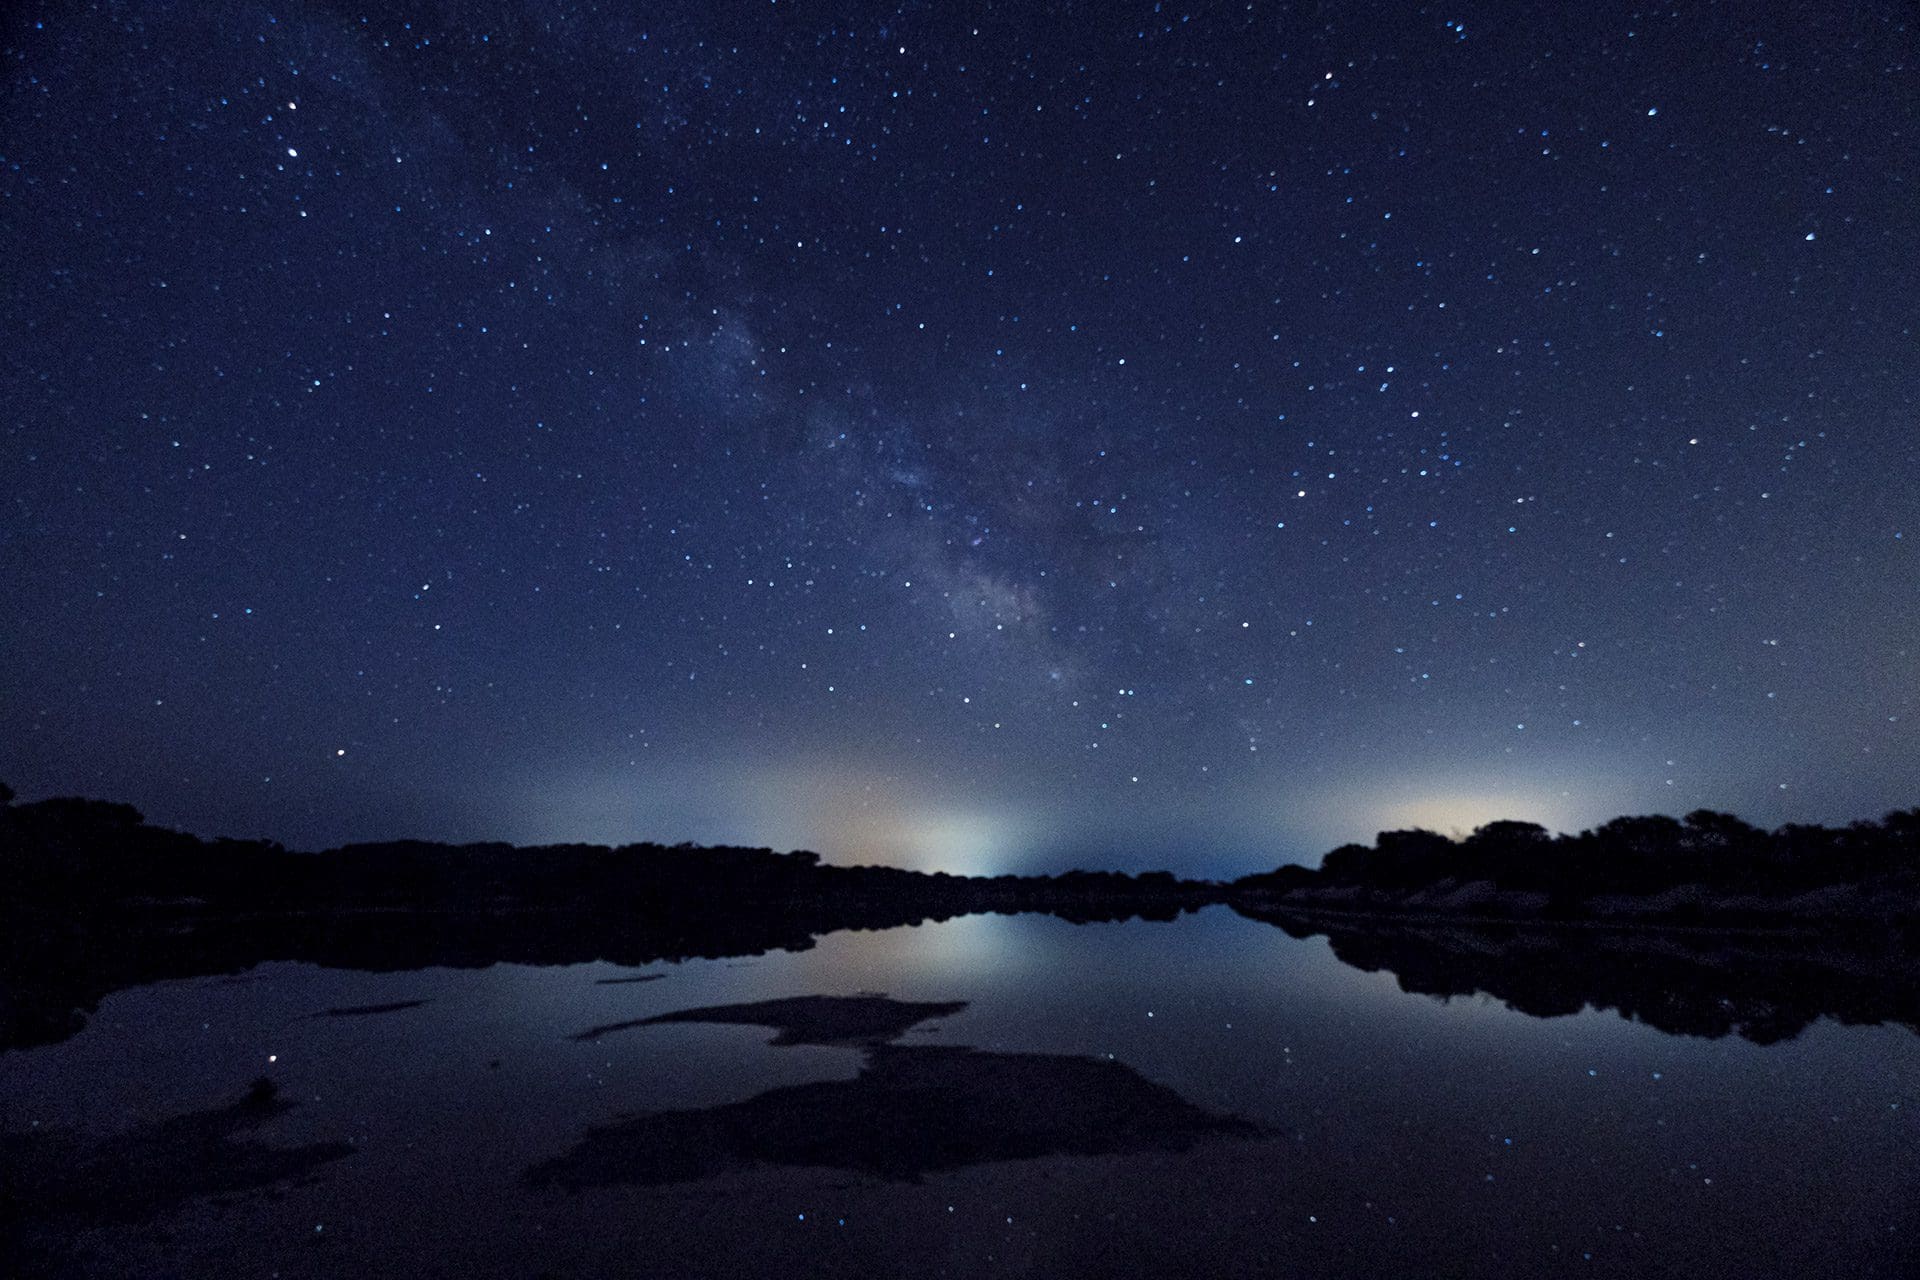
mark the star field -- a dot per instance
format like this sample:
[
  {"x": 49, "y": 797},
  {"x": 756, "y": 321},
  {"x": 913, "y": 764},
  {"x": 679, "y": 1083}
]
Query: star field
[{"x": 993, "y": 438}]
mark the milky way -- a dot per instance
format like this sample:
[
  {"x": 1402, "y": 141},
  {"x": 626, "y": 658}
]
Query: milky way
[{"x": 991, "y": 437}]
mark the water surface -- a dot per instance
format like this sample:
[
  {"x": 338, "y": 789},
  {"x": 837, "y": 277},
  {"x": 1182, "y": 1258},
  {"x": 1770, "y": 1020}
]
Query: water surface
[{"x": 1207, "y": 1096}]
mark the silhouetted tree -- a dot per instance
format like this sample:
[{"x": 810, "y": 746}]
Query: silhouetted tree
[
  {"x": 1655, "y": 835},
  {"x": 1508, "y": 834},
  {"x": 1511, "y": 854},
  {"x": 1707, "y": 829},
  {"x": 1411, "y": 857},
  {"x": 1348, "y": 862},
  {"x": 1707, "y": 863}
]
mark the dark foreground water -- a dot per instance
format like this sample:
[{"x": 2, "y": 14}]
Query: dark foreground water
[{"x": 1209, "y": 1096}]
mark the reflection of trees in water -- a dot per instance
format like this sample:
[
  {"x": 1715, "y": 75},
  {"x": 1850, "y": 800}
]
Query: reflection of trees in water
[
  {"x": 59, "y": 967},
  {"x": 1687, "y": 982},
  {"x": 100, "y": 901},
  {"x": 1692, "y": 982}
]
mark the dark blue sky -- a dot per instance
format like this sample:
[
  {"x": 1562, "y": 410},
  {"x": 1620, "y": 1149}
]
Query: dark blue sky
[{"x": 989, "y": 437}]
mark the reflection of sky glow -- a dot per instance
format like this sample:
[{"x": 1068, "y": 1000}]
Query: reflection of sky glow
[
  {"x": 960, "y": 957},
  {"x": 1364, "y": 1086}
]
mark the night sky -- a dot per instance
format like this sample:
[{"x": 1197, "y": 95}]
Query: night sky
[{"x": 991, "y": 437}]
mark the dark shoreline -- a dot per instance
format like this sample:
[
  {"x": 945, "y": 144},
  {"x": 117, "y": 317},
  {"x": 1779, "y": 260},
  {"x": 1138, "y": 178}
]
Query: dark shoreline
[{"x": 1816, "y": 921}]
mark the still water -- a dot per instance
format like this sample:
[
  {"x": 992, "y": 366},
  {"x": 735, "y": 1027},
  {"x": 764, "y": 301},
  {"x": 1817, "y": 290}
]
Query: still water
[{"x": 1206, "y": 1096}]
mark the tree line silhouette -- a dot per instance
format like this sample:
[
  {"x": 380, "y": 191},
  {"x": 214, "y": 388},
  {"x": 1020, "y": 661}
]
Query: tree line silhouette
[
  {"x": 81, "y": 853},
  {"x": 96, "y": 900},
  {"x": 92, "y": 853},
  {"x": 1704, "y": 863}
]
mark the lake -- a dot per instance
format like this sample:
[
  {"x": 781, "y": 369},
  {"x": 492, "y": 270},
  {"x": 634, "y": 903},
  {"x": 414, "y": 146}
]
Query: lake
[{"x": 1210, "y": 1095}]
